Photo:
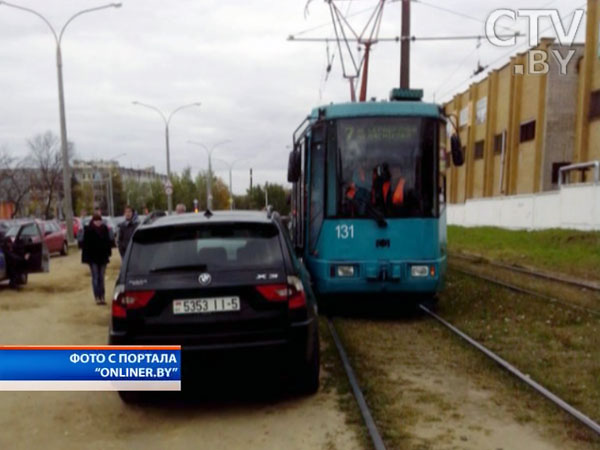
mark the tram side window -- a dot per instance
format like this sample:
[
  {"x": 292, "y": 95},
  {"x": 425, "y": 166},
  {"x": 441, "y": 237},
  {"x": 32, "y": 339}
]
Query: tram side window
[
  {"x": 317, "y": 189},
  {"x": 298, "y": 201}
]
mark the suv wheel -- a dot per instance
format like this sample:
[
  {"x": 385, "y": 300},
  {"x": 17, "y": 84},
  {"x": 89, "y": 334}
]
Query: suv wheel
[
  {"x": 65, "y": 249},
  {"x": 306, "y": 374},
  {"x": 15, "y": 282},
  {"x": 130, "y": 397}
]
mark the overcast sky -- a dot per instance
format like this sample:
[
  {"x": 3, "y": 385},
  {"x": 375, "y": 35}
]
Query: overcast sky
[{"x": 231, "y": 55}]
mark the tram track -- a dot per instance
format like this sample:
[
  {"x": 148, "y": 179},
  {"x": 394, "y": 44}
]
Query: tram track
[
  {"x": 365, "y": 412},
  {"x": 530, "y": 292},
  {"x": 525, "y": 271},
  {"x": 581, "y": 417}
]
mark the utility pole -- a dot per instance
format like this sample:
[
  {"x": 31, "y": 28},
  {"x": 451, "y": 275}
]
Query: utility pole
[
  {"x": 167, "y": 120},
  {"x": 266, "y": 195},
  {"x": 64, "y": 145},
  {"x": 209, "y": 178},
  {"x": 365, "y": 75},
  {"x": 405, "y": 46}
]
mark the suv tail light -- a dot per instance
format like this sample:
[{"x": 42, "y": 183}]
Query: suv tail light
[
  {"x": 292, "y": 292},
  {"x": 124, "y": 300}
]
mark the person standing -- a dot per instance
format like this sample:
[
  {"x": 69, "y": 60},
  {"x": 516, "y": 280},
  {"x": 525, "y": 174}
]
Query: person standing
[
  {"x": 96, "y": 252},
  {"x": 126, "y": 229},
  {"x": 15, "y": 262}
]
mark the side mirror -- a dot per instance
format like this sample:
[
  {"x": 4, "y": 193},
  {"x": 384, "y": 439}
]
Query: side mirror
[
  {"x": 294, "y": 166},
  {"x": 458, "y": 157}
]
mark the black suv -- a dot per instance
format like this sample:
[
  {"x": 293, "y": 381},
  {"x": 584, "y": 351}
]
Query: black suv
[{"x": 218, "y": 282}]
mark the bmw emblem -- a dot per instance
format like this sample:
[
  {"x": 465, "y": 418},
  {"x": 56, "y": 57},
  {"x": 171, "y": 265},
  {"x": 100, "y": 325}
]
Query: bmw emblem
[{"x": 204, "y": 279}]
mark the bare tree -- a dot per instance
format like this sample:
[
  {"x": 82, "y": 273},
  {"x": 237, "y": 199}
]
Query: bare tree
[
  {"x": 45, "y": 157},
  {"x": 15, "y": 180}
]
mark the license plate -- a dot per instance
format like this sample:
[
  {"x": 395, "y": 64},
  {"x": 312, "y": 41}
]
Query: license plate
[{"x": 206, "y": 305}]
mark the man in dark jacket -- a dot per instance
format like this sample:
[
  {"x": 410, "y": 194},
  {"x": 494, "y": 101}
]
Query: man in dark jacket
[
  {"x": 96, "y": 251},
  {"x": 126, "y": 229},
  {"x": 15, "y": 262}
]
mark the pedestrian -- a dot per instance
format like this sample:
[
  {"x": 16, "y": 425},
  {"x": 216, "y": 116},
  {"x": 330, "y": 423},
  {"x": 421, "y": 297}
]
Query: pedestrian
[
  {"x": 96, "y": 251},
  {"x": 180, "y": 209},
  {"x": 15, "y": 262},
  {"x": 126, "y": 229}
]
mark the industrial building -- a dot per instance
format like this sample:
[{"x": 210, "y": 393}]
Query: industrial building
[{"x": 528, "y": 119}]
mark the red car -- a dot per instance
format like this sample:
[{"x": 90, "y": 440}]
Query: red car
[
  {"x": 55, "y": 237},
  {"x": 76, "y": 225}
]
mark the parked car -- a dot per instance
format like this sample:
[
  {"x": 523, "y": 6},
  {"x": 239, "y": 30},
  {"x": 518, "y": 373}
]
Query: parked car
[
  {"x": 151, "y": 217},
  {"x": 4, "y": 226},
  {"x": 55, "y": 237},
  {"x": 107, "y": 221},
  {"x": 214, "y": 283},
  {"x": 76, "y": 225},
  {"x": 27, "y": 239}
]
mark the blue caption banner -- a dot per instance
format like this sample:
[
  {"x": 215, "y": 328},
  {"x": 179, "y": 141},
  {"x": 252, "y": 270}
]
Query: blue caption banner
[{"x": 90, "y": 368}]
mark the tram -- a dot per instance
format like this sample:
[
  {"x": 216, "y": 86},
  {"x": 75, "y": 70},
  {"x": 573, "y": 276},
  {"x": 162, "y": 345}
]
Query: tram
[{"x": 369, "y": 193}]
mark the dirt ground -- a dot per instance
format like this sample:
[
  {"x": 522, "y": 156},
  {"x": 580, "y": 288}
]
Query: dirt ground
[
  {"x": 58, "y": 308},
  {"x": 429, "y": 391}
]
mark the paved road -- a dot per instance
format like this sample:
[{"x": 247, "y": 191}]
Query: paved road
[{"x": 58, "y": 308}]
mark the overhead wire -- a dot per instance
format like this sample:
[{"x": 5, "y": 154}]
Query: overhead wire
[{"x": 328, "y": 24}]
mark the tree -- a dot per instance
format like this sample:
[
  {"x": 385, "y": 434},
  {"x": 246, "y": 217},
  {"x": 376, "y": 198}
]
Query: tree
[
  {"x": 46, "y": 158},
  {"x": 157, "y": 200},
  {"x": 219, "y": 190},
  {"x": 278, "y": 198},
  {"x": 136, "y": 193},
  {"x": 15, "y": 182},
  {"x": 84, "y": 198},
  {"x": 184, "y": 189},
  {"x": 276, "y": 195}
]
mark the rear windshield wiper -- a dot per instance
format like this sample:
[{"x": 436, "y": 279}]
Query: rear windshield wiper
[{"x": 182, "y": 268}]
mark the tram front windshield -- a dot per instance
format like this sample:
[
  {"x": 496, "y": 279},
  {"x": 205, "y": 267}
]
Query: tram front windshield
[{"x": 385, "y": 167}]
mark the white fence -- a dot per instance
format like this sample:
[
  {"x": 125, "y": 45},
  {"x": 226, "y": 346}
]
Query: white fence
[{"x": 573, "y": 207}]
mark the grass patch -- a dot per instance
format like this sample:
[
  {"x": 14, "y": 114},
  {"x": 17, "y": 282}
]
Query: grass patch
[
  {"x": 576, "y": 253},
  {"x": 556, "y": 346},
  {"x": 428, "y": 389}
]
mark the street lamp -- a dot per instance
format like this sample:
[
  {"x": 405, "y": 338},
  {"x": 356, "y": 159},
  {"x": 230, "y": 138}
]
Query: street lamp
[
  {"x": 111, "y": 205},
  {"x": 68, "y": 204},
  {"x": 230, "y": 166},
  {"x": 167, "y": 120},
  {"x": 209, "y": 178}
]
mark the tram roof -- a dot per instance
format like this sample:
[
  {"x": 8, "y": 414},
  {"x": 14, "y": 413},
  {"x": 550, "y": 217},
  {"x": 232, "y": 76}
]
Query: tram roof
[{"x": 377, "y": 109}]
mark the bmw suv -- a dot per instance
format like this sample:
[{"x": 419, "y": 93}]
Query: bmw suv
[{"x": 218, "y": 282}]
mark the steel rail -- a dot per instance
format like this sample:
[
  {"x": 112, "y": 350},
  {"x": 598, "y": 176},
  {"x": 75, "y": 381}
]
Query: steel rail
[
  {"x": 358, "y": 395},
  {"x": 594, "y": 426},
  {"x": 581, "y": 284},
  {"x": 512, "y": 287}
]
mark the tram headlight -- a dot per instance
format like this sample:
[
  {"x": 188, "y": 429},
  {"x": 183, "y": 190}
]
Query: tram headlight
[
  {"x": 345, "y": 271},
  {"x": 419, "y": 271}
]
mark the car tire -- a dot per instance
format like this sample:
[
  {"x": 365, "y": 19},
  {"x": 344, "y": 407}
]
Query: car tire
[
  {"x": 305, "y": 376},
  {"x": 14, "y": 283},
  {"x": 130, "y": 397},
  {"x": 65, "y": 249}
]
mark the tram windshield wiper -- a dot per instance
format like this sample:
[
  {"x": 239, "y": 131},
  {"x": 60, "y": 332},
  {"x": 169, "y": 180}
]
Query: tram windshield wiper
[{"x": 377, "y": 216}]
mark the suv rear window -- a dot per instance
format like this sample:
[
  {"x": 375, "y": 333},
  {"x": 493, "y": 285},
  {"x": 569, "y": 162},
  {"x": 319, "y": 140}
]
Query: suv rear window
[{"x": 205, "y": 247}]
